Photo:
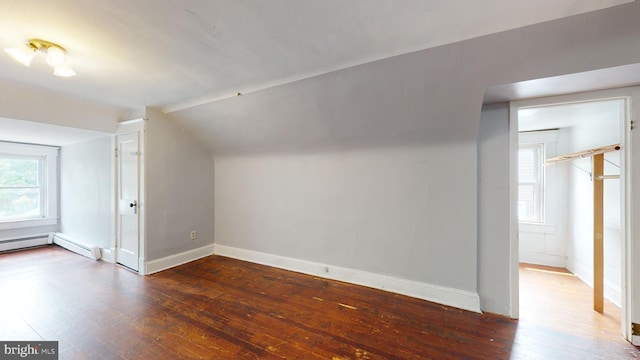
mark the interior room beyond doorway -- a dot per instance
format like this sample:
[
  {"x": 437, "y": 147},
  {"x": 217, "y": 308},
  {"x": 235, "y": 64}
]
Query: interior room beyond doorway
[{"x": 556, "y": 199}]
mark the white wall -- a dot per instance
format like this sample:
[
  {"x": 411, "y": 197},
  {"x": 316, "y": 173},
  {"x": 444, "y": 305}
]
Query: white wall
[
  {"x": 546, "y": 243},
  {"x": 587, "y": 135},
  {"x": 566, "y": 237},
  {"x": 580, "y": 260},
  {"x": 178, "y": 189},
  {"x": 86, "y": 191},
  {"x": 613, "y": 234}
]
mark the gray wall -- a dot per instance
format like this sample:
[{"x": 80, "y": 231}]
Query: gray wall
[
  {"x": 179, "y": 189},
  {"x": 367, "y": 210},
  {"x": 86, "y": 191},
  {"x": 493, "y": 209},
  {"x": 428, "y": 100},
  {"x": 426, "y": 103}
]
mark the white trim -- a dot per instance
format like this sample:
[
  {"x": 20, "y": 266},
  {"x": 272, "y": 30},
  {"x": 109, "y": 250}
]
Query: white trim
[
  {"x": 577, "y": 98},
  {"x": 628, "y": 216},
  {"x": 443, "y": 295},
  {"x": 613, "y": 293},
  {"x": 50, "y": 167},
  {"x": 543, "y": 259},
  {"x": 537, "y": 137},
  {"x": 581, "y": 272},
  {"x": 514, "y": 244},
  {"x": 9, "y": 244},
  {"x": 125, "y": 127},
  {"x": 129, "y": 126},
  {"x": 142, "y": 202},
  {"x": 539, "y": 192},
  {"x": 108, "y": 255},
  {"x": 170, "y": 261},
  {"x": 547, "y": 187},
  {"x": 628, "y": 202},
  {"x": 24, "y": 223},
  {"x": 537, "y": 228}
]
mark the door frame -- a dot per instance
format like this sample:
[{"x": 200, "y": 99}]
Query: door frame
[
  {"x": 630, "y": 206},
  {"x": 128, "y": 127}
]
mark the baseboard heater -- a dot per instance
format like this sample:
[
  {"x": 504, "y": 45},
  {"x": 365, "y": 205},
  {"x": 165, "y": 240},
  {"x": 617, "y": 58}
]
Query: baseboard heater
[
  {"x": 23, "y": 242},
  {"x": 90, "y": 251}
]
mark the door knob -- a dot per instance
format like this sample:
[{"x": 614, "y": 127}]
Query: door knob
[{"x": 134, "y": 205}]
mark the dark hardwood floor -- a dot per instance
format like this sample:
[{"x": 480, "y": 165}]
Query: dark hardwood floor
[{"x": 220, "y": 308}]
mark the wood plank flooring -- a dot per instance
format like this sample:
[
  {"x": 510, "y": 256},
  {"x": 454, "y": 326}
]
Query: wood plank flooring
[
  {"x": 554, "y": 302},
  {"x": 221, "y": 308}
]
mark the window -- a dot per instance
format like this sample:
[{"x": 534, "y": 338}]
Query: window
[
  {"x": 530, "y": 183},
  {"x": 28, "y": 185},
  {"x": 22, "y": 188}
]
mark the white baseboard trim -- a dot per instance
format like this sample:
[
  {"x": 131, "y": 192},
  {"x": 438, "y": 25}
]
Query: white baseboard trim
[
  {"x": 108, "y": 255},
  {"x": 613, "y": 293},
  {"x": 439, "y": 294},
  {"x": 543, "y": 259},
  {"x": 170, "y": 261},
  {"x": 583, "y": 274}
]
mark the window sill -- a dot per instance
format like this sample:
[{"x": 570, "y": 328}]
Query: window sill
[
  {"x": 537, "y": 228},
  {"x": 19, "y": 224}
]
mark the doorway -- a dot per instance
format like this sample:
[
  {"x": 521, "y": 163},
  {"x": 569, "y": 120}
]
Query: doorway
[
  {"x": 555, "y": 226},
  {"x": 128, "y": 239},
  {"x": 129, "y": 155}
]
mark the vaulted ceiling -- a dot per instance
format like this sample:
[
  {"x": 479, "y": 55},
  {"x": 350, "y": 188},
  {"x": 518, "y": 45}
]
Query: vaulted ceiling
[{"x": 177, "y": 54}]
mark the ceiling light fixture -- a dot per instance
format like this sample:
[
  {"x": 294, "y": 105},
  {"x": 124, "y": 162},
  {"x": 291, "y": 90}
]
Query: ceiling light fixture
[{"x": 56, "y": 55}]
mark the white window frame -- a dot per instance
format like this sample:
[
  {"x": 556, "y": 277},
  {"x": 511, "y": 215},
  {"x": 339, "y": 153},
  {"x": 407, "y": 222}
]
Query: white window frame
[
  {"x": 49, "y": 156},
  {"x": 539, "y": 184},
  {"x": 549, "y": 138}
]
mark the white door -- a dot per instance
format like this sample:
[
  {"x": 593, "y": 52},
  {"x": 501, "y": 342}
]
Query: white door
[{"x": 128, "y": 242}]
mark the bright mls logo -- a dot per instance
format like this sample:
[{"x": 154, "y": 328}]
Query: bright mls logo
[{"x": 37, "y": 350}]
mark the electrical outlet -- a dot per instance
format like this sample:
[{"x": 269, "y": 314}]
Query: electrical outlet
[{"x": 193, "y": 235}]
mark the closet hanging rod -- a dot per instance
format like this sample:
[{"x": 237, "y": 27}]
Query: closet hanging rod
[
  {"x": 583, "y": 154},
  {"x": 606, "y": 177}
]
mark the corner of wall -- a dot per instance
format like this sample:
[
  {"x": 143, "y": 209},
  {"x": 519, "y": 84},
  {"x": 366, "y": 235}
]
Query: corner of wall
[{"x": 178, "y": 189}]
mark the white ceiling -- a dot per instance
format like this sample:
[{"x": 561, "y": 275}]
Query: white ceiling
[
  {"x": 619, "y": 76},
  {"x": 176, "y": 54},
  {"x": 44, "y": 134},
  {"x": 568, "y": 115}
]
